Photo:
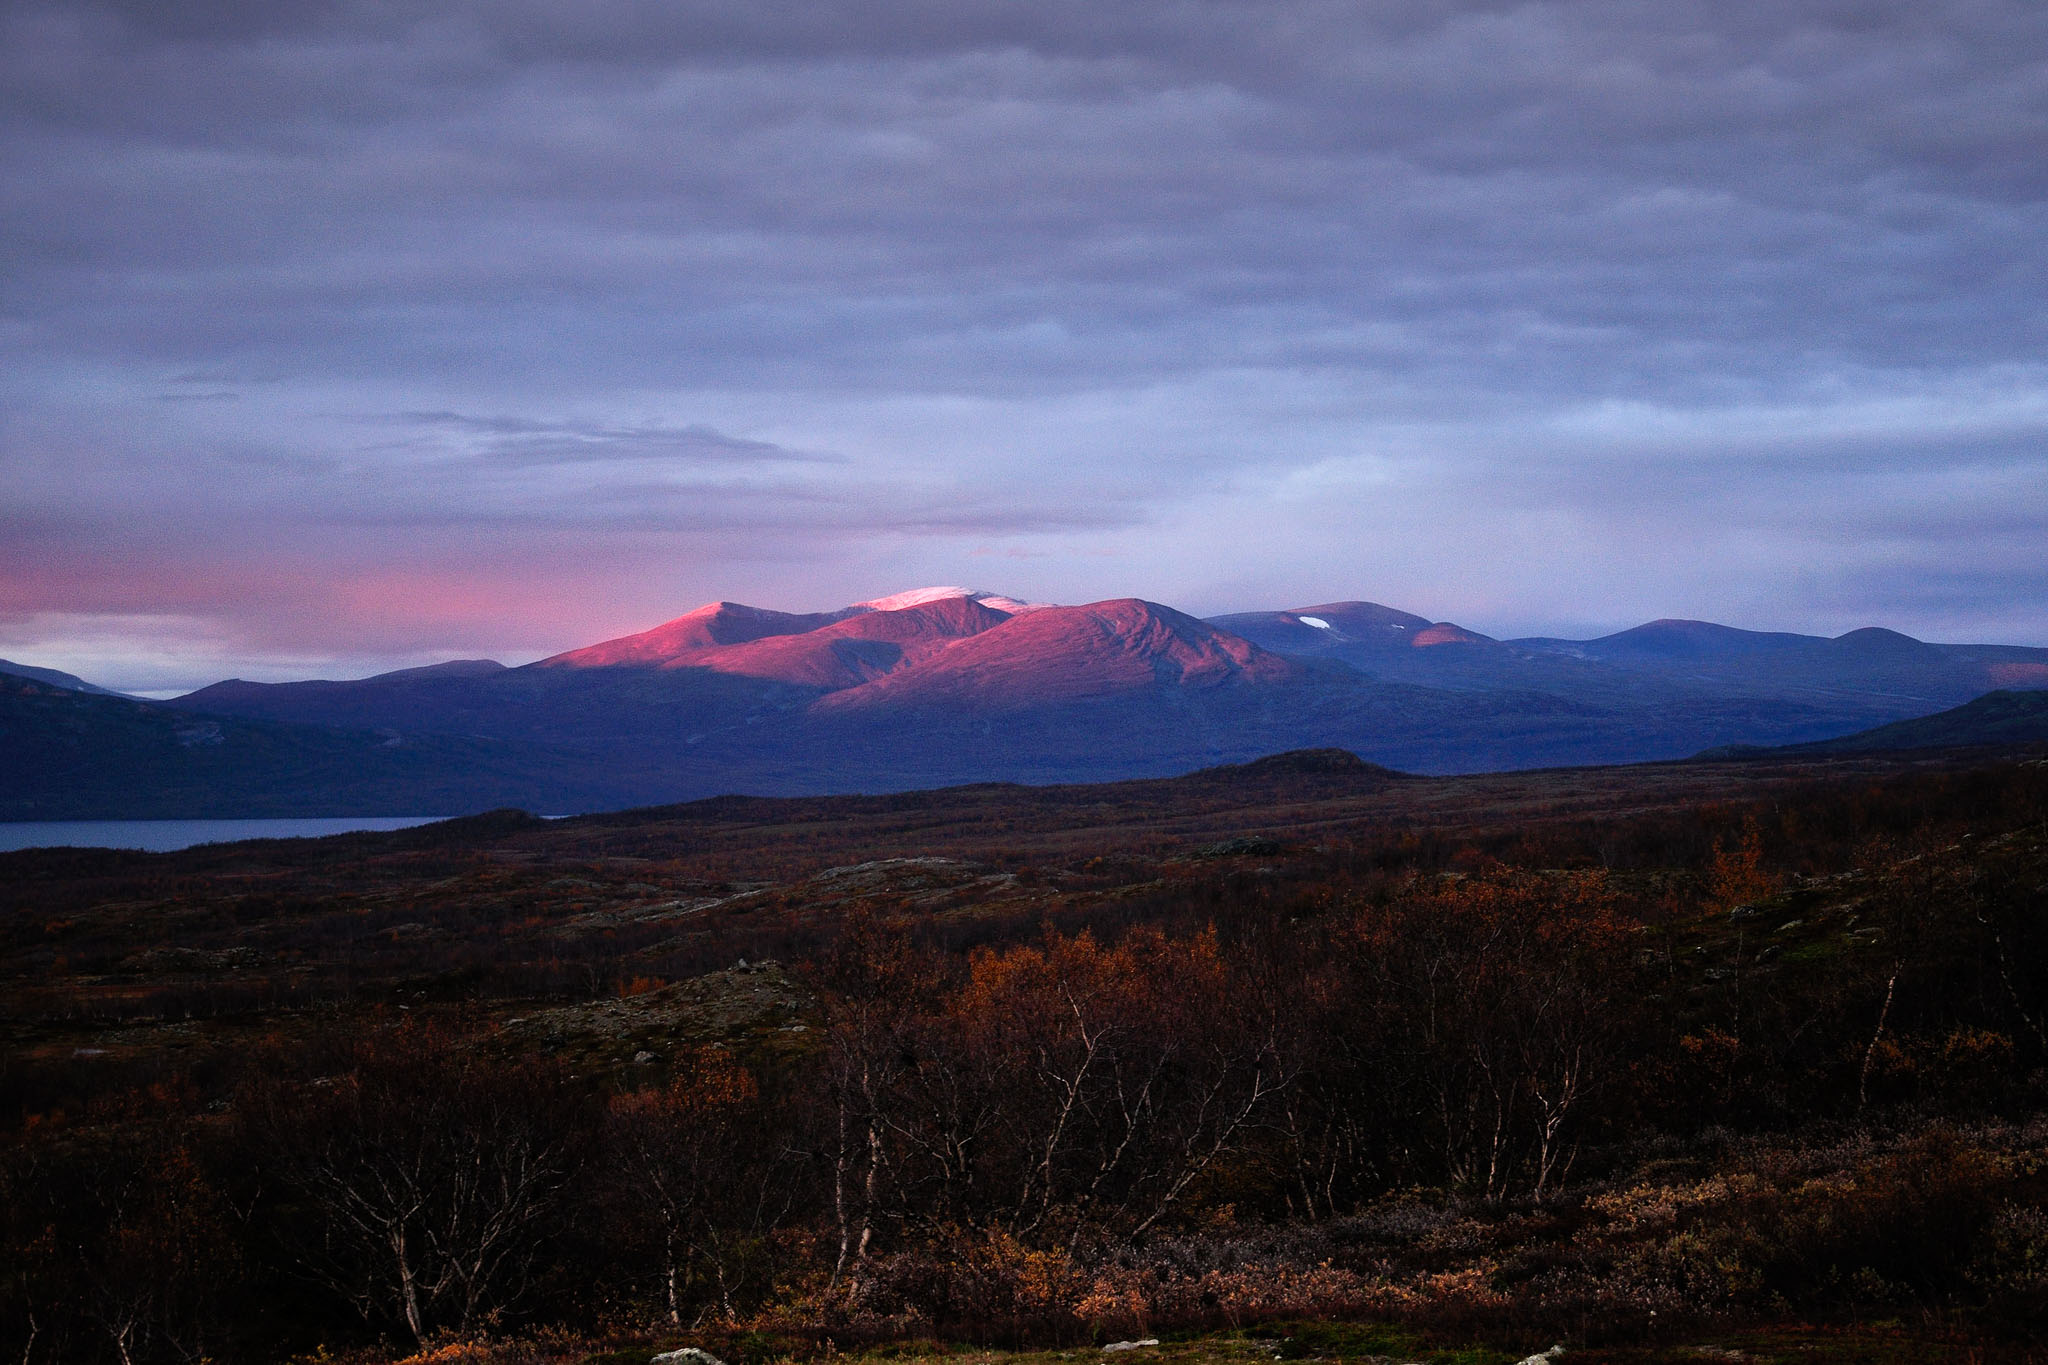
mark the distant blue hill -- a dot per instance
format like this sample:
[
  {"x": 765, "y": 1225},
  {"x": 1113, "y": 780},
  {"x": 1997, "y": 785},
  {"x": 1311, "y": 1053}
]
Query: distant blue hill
[
  {"x": 1994, "y": 719},
  {"x": 56, "y": 679}
]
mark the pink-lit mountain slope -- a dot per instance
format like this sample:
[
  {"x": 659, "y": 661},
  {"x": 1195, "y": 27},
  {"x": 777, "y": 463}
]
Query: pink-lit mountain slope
[
  {"x": 824, "y": 650},
  {"x": 710, "y": 626},
  {"x": 851, "y": 651},
  {"x": 1055, "y": 655}
]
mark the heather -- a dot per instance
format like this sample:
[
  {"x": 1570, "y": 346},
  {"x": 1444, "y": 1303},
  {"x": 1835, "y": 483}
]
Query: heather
[{"x": 1632, "y": 1068}]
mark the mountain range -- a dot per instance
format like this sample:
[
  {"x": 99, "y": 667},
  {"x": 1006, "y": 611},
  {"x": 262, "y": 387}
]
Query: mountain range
[{"x": 946, "y": 685}]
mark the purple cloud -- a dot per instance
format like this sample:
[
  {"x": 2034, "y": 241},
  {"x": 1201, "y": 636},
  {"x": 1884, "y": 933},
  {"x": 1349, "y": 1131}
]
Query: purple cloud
[{"x": 1526, "y": 315}]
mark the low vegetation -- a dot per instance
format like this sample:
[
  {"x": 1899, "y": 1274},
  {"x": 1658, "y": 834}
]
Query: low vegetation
[{"x": 1303, "y": 1062}]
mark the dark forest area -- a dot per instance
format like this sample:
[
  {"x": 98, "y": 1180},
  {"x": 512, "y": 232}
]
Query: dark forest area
[{"x": 1301, "y": 1053}]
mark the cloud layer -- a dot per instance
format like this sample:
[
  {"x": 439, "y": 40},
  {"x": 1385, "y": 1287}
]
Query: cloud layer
[{"x": 342, "y": 334}]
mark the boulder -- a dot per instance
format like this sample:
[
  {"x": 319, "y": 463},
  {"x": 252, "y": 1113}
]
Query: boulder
[{"x": 688, "y": 1355}]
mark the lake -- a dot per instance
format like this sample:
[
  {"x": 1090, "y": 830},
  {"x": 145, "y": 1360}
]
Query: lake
[{"x": 162, "y": 836}]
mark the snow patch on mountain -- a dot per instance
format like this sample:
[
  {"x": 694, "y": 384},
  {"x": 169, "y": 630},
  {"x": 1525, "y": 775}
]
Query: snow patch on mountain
[{"x": 918, "y": 597}]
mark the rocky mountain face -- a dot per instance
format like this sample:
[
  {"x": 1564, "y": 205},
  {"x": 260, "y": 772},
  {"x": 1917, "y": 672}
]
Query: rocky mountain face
[{"x": 944, "y": 685}]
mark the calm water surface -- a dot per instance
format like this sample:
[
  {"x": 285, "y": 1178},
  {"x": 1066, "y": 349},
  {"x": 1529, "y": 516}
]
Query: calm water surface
[{"x": 161, "y": 836}]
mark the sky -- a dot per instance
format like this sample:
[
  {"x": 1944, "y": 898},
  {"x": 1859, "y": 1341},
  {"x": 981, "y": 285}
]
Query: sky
[{"x": 349, "y": 335}]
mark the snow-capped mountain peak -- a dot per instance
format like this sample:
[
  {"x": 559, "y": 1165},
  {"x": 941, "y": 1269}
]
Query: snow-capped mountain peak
[{"x": 918, "y": 597}]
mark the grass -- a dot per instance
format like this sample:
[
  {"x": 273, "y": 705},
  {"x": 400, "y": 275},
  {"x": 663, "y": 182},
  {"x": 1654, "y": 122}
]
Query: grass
[{"x": 1381, "y": 1343}]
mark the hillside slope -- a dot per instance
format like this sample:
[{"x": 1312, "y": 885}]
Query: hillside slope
[
  {"x": 2002, "y": 719},
  {"x": 78, "y": 756}
]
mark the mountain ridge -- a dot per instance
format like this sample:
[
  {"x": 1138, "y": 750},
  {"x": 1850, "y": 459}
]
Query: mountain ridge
[
  {"x": 1071, "y": 653},
  {"x": 940, "y": 686},
  {"x": 56, "y": 677}
]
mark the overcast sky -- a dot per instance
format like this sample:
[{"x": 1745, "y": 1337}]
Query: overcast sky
[{"x": 339, "y": 336}]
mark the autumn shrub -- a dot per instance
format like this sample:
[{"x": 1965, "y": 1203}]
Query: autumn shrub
[
  {"x": 1239, "y": 1295},
  {"x": 990, "y": 1288},
  {"x": 694, "y": 1180},
  {"x": 2011, "y": 1267},
  {"x": 1893, "y": 1228}
]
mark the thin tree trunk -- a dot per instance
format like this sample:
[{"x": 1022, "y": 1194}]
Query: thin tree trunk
[
  {"x": 867, "y": 1212},
  {"x": 2012, "y": 992},
  {"x": 408, "y": 1289},
  {"x": 839, "y": 1198},
  {"x": 1870, "y": 1053}
]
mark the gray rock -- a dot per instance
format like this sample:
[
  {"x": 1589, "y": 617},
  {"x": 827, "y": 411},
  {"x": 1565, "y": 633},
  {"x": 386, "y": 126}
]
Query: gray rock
[
  {"x": 1243, "y": 847},
  {"x": 1543, "y": 1357},
  {"x": 688, "y": 1355},
  {"x": 1130, "y": 1345}
]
